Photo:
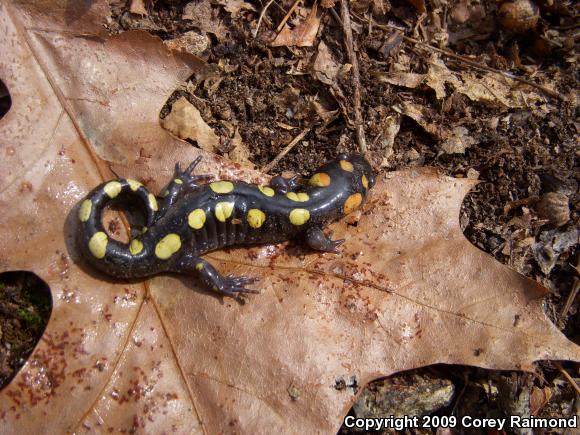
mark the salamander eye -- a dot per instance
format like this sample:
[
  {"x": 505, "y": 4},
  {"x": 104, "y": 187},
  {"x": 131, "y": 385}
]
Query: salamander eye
[{"x": 372, "y": 179}]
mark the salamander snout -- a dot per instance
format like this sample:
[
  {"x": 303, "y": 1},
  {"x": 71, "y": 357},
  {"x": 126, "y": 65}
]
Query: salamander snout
[
  {"x": 362, "y": 166},
  {"x": 368, "y": 171}
]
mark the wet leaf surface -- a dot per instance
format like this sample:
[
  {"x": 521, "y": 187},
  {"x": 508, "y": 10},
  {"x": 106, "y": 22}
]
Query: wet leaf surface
[{"x": 406, "y": 291}]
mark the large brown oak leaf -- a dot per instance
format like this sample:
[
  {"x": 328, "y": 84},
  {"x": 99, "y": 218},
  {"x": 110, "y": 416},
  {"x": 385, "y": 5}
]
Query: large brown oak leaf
[{"x": 407, "y": 290}]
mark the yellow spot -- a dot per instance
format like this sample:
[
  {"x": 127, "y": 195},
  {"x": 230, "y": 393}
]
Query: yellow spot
[
  {"x": 178, "y": 181},
  {"x": 165, "y": 193},
  {"x": 199, "y": 266},
  {"x": 268, "y": 191},
  {"x": 196, "y": 219},
  {"x": 299, "y": 216},
  {"x": 223, "y": 210},
  {"x": 352, "y": 203},
  {"x": 144, "y": 230},
  {"x": 133, "y": 184},
  {"x": 98, "y": 244},
  {"x": 346, "y": 165},
  {"x": 298, "y": 197},
  {"x": 135, "y": 247},
  {"x": 256, "y": 218},
  {"x": 365, "y": 181},
  {"x": 222, "y": 186},
  {"x": 112, "y": 189},
  {"x": 152, "y": 202},
  {"x": 167, "y": 246},
  {"x": 320, "y": 179},
  {"x": 85, "y": 210}
]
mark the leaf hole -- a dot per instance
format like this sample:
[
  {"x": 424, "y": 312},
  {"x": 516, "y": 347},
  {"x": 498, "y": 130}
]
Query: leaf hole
[
  {"x": 5, "y": 100},
  {"x": 126, "y": 210},
  {"x": 25, "y": 307}
]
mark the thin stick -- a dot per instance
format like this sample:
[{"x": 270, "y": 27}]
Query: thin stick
[
  {"x": 350, "y": 48},
  {"x": 569, "y": 300},
  {"x": 285, "y": 151},
  {"x": 568, "y": 377},
  {"x": 470, "y": 62},
  {"x": 262, "y": 16},
  {"x": 571, "y": 296},
  {"x": 287, "y": 17},
  {"x": 335, "y": 16}
]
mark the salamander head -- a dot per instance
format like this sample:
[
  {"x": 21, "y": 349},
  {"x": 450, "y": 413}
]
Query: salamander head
[{"x": 359, "y": 167}]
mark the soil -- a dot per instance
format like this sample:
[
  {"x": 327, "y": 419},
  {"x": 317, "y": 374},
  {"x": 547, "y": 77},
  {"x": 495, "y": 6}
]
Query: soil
[
  {"x": 519, "y": 154},
  {"x": 25, "y": 305}
]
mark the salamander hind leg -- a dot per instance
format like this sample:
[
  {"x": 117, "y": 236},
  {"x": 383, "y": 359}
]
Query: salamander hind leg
[
  {"x": 284, "y": 185},
  {"x": 225, "y": 285},
  {"x": 316, "y": 239}
]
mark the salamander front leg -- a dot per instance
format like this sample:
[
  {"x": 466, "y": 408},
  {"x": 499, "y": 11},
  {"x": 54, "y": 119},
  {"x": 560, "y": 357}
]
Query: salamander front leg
[
  {"x": 316, "y": 239},
  {"x": 226, "y": 285},
  {"x": 182, "y": 182},
  {"x": 192, "y": 182},
  {"x": 284, "y": 185}
]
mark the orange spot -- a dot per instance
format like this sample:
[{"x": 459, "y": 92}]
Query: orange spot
[
  {"x": 365, "y": 182},
  {"x": 352, "y": 203},
  {"x": 320, "y": 179},
  {"x": 346, "y": 165}
]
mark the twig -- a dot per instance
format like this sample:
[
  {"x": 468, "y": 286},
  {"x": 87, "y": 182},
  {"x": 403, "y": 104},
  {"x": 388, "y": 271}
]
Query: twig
[
  {"x": 471, "y": 63},
  {"x": 567, "y": 376},
  {"x": 335, "y": 16},
  {"x": 569, "y": 300},
  {"x": 350, "y": 48},
  {"x": 262, "y": 16},
  {"x": 285, "y": 151},
  {"x": 572, "y": 295},
  {"x": 281, "y": 25}
]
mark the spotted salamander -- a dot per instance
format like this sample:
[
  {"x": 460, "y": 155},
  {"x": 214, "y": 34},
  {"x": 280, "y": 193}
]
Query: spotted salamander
[{"x": 195, "y": 218}]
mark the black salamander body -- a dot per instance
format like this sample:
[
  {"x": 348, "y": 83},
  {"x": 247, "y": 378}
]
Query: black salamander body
[{"x": 194, "y": 219}]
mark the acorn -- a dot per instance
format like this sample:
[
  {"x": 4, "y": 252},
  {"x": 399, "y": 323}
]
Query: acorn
[
  {"x": 518, "y": 16},
  {"x": 553, "y": 206}
]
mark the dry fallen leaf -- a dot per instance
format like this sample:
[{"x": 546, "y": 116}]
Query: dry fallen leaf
[
  {"x": 387, "y": 141},
  {"x": 325, "y": 67},
  {"x": 539, "y": 398},
  {"x": 438, "y": 76},
  {"x": 193, "y": 42},
  {"x": 420, "y": 114},
  {"x": 458, "y": 141},
  {"x": 398, "y": 78},
  {"x": 408, "y": 289},
  {"x": 303, "y": 35},
  {"x": 239, "y": 151},
  {"x": 407, "y": 394},
  {"x": 488, "y": 88},
  {"x": 185, "y": 122},
  {"x": 204, "y": 16},
  {"x": 235, "y": 6},
  {"x": 327, "y": 3},
  {"x": 138, "y": 7}
]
